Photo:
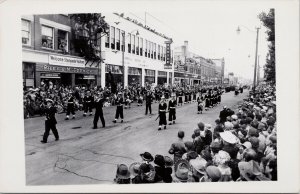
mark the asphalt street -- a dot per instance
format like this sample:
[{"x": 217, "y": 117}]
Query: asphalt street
[{"x": 89, "y": 156}]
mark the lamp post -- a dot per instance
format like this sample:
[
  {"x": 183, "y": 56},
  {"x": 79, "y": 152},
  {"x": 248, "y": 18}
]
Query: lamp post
[{"x": 256, "y": 50}]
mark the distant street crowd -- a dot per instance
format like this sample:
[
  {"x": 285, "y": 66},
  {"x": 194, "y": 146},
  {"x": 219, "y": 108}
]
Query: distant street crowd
[{"x": 240, "y": 146}]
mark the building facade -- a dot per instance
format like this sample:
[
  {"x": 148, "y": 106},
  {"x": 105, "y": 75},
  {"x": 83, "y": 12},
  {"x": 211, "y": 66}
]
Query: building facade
[
  {"x": 191, "y": 68},
  {"x": 132, "y": 52},
  {"x": 220, "y": 65}
]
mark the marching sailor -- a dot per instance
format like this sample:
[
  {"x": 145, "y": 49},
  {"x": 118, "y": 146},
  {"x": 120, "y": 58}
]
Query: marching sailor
[
  {"x": 200, "y": 104},
  {"x": 70, "y": 106},
  {"x": 119, "y": 110},
  {"x": 88, "y": 103},
  {"x": 162, "y": 110},
  {"x": 172, "y": 109},
  {"x": 99, "y": 101},
  {"x": 50, "y": 122}
]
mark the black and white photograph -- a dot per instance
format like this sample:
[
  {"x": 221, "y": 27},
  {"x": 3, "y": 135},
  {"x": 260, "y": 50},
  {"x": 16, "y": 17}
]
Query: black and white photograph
[{"x": 147, "y": 96}]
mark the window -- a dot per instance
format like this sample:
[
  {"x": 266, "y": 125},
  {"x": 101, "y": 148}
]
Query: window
[
  {"x": 154, "y": 50},
  {"x": 62, "y": 40},
  {"x": 107, "y": 40},
  {"x": 118, "y": 39},
  {"x": 129, "y": 43},
  {"x": 141, "y": 46},
  {"x": 162, "y": 53},
  {"x": 123, "y": 41},
  {"x": 112, "y": 37},
  {"x": 26, "y": 32},
  {"x": 133, "y": 44},
  {"x": 137, "y": 45},
  {"x": 158, "y": 52},
  {"x": 149, "y": 49},
  {"x": 47, "y": 37},
  {"x": 146, "y": 47}
]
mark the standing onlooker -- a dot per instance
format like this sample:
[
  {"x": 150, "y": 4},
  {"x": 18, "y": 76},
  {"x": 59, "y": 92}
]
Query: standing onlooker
[{"x": 178, "y": 148}]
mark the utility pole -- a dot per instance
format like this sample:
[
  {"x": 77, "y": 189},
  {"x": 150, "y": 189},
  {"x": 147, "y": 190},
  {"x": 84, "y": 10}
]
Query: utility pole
[
  {"x": 258, "y": 71},
  {"x": 255, "y": 67}
]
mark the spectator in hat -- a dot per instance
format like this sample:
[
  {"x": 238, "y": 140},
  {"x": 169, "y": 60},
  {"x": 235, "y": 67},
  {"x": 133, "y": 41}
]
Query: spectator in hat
[
  {"x": 122, "y": 175},
  {"x": 167, "y": 177},
  {"x": 159, "y": 168},
  {"x": 250, "y": 171},
  {"x": 255, "y": 146},
  {"x": 146, "y": 157},
  {"x": 134, "y": 170},
  {"x": 198, "y": 169},
  {"x": 182, "y": 172},
  {"x": 215, "y": 147},
  {"x": 178, "y": 148},
  {"x": 229, "y": 143},
  {"x": 189, "y": 147},
  {"x": 221, "y": 161},
  {"x": 147, "y": 173},
  {"x": 213, "y": 174}
]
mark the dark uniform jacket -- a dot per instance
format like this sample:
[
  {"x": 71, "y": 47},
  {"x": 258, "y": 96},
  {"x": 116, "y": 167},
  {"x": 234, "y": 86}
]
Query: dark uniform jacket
[
  {"x": 172, "y": 104},
  {"x": 119, "y": 101},
  {"x": 99, "y": 104},
  {"x": 162, "y": 107},
  {"x": 149, "y": 99},
  {"x": 50, "y": 114}
]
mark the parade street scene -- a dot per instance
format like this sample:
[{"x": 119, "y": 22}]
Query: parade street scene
[{"x": 132, "y": 98}]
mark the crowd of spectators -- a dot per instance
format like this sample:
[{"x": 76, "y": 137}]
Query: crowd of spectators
[{"x": 240, "y": 146}]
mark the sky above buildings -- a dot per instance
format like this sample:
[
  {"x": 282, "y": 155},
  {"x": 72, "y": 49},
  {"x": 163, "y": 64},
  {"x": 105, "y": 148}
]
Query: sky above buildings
[{"x": 211, "y": 31}]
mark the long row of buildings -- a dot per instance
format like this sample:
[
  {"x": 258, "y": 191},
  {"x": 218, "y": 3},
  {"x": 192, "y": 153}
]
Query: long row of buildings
[{"x": 132, "y": 52}]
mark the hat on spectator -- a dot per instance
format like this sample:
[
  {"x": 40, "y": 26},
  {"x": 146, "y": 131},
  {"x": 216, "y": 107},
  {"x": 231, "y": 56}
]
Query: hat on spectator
[
  {"x": 221, "y": 157},
  {"x": 253, "y": 132},
  {"x": 247, "y": 145},
  {"x": 214, "y": 173},
  {"x": 254, "y": 142},
  {"x": 134, "y": 168},
  {"x": 261, "y": 127},
  {"x": 49, "y": 100},
  {"x": 250, "y": 170},
  {"x": 273, "y": 139},
  {"x": 147, "y": 157},
  {"x": 145, "y": 168},
  {"x": 234, "y": 117},
  {"x": 189, "y": 145},
  {"x": 168, "y": 161},
  {"x": 228, "y": 125},
  {"x": 192, "y": 155},
  {"x": 197, "y": 132},
  {"x": 182, "y": 168},
  {"x": 159, "y": 160},
  {"x": 199, "y": 164},
  {"x": 228, "y": 137},
  {"x": 122, "y": 172}
]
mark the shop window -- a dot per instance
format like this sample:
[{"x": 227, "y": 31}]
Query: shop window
[
  {"x": 141, "y": 46},
  {"x": 26, "y": 32},
  {"x": 118, "y": 43},
  {"x": 112, "y": 37},
  {"x": 107, "y": 40},
  {"x": 47, "y": 37},
  {"x": 62, "y": 40},
  {"x": 129, "y": 43}
]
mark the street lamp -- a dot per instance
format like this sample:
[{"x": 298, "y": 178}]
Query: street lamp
[{"x": 255, "y": 67}]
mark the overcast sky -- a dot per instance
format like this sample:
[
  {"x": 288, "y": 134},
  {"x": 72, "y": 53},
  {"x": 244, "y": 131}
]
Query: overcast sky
[{"x": 211, "y": 32}]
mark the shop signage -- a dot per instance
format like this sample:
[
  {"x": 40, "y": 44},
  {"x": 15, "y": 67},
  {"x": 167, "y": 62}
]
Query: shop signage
[
  {"x": 168, "y": 64},
  {"x": 50, "y": 75},
  {"x": 66, "y": 61},
  {"x": 63, "y": 69}
]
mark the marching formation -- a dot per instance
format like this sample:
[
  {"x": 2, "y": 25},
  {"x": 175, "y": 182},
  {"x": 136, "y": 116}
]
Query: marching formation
[{"x": 241, "y": 147}]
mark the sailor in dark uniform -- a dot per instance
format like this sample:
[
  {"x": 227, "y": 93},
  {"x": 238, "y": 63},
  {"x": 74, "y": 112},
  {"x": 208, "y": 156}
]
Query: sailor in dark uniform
[
  {"x": 50, "y": 122},
  {"x": 162, "y": 110},
  {"x": 186, "y": 96},
  {"x": 194, "y": 95},
  {"x": 119, "y": 111},
  {"x": 200, "y": 104},
  {"x": 190, "y": 96},
  {"x": 207, "y": 100},
  {"x": 149, "y": 98},
  {"x": 172, "y": 110},
  {"x": 99, "y": 101},
  {"x": 70, "y": 106},
  {"x": 88, "y": 101},
  {"x": 180, "y": 94}
]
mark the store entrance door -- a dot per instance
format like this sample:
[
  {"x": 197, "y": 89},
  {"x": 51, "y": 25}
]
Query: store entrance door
[{"x": 66, "y": 79}]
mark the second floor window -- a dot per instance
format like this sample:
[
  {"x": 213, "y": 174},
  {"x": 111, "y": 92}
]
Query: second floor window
[
  {"x": 123, "y": 41},
  {"x": 146, "y": 47},
  {"x": 118, "y": 43},
  {"x": 26, "y": 32},
  {"x": 107, "y": 40},
  {"x": 129, "y": 43},
  {"x": 137, "y": 45},
  {"x": 158, "y": 52},
  {"x": 141, "y": 46},
  {"x": 112, "y": 37},
  {"x": 154, "y": 50},
  {"x": 62, "y": 40},
  {"x": 133, "y": 44},
  {"x": 47, "y": 37}
]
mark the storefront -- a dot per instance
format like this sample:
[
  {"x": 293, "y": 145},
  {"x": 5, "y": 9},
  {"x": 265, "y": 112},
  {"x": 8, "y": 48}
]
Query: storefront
[
  {"x": 134, "y": 76},
  {"x": 162, "y": 77},
  {"x": 149, "y": 76},
  {"x": 117, "y": 73},
  {"x": 67, "y": 76},
  {"x": 28, "y": 75}
]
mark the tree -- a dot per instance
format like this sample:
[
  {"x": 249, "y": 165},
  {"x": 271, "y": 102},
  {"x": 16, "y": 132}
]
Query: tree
[
  {"x": 87, "y": 30},
  {"x": 268, "y": 21}
]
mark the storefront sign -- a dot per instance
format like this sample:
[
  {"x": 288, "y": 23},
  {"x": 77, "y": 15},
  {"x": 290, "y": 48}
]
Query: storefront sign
[
  {"x": 89, "y": 77},
  {"x": 50, "y": 75},
  {"x": 66, "y": 61},
  {"x": 168, "y": 64},
  {"x": 62, "y": 69}
]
